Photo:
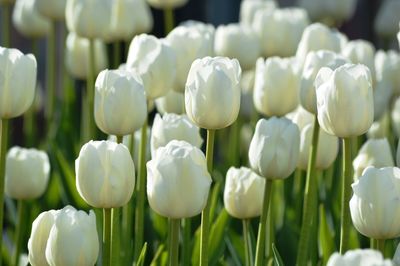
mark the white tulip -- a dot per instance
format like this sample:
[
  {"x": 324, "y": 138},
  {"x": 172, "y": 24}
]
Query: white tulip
[
  {"x": 359, "y": 257},
  {"x": 374, "y": 152},
  {"x": 243, "y": 193},
  {"x": 301, "y": 117},
  {"x": 274, "y": 149},
  {"x": 387, "y": 67},
  {"x": 155, "y": 62},
  {"x": 361, "y": 52},
  {"x": 374, "y": 207},
  {"x": 345, "y": 92},
  {"x": 386, "y": 22},
  {"x": 162, "y": 4},
  {"x": 276, "y": 86},
  {"x": 380, "y": 128},
  {"x": 27, "y": 173},
  {"x": 105, "y": 174},
  {"x": 178, "y": 182},
  {"x": 395, "y": 117},
  {"x": 52, "y": 9},
  {"x": 172, "y": 102},
  {"x": 212, "y": 94},
  {"x": 28, "y": 21},
  {"x": 249, "y": 8},
  {"x": 17, "y": 82}
]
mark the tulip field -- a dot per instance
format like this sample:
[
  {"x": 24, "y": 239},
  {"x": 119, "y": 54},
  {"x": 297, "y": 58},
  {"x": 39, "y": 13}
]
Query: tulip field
[{"x": 271, "y": 140}]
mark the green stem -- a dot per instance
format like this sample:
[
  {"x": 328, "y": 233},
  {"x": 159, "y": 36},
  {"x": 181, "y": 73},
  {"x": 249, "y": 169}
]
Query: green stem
[
  {"x": 187, "y": 228},
  {"x": 3, "y": 150},
  {"x": 127, "y": 220},
  {"x": 247, "y": 242},
  {"x": 380, "y": 245},
  {"x": 234, "y": 143},
  {"x": 205, "y": 215},
  {"x": 6, "y": 18},
  {"x": 90, "y": 94},
  {"x": 174, "y": 242},
  {"x": 372, "y": 243},
  {"x": 141, "y": 187},
  {"x": 51, "y": 75},
  {"x": 260, "y": 249},
  {"x": 168, "y": 20},
  {"x": 115, "y": 236},
  {"x": 310, "y": 199},
  {"x": 107, "y": 237},
  {"x": 19, "y": 231},
  {"x": 347, "y": 178},
  {"x": 117, "y": 54}
]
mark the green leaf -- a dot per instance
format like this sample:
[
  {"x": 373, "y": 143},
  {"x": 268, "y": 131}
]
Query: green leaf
[
  {"x": 277, "y": 256},
  {"x": 235, "y": 246},
  {"x": 326, "y": 237},
  {"x": 158, "y": 254},
  {"x": 142, "y": 256},
  {"x": 217, "y": 232},
  {"x": 214, "y": 200}
]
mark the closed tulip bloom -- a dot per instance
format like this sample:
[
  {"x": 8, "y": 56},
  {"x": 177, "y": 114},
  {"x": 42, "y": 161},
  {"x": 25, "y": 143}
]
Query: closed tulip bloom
[
  {"x": 105, "y": 174},
  {"x": 386, "y": 22},
  {"x": 52, "y": 9},
  {"x": 359, "y": 257},
  {"x": 17, "y": 82},
  {"x": 155, "y": 62},
  {"x": 212, "y": 95},
  {"x": 27, "y": 173},
  {"x": 361, "y": 52},
  {"x": 243, "y": 193},
  {"x": 328, "y": 147},
  {"x": 73, "y": 239},
  {"x": 172, "y": 102},
  {"x": 189, "y": 43},
  {"x": 249, "y": 8},
  {"x": 230, "y": 41},
  {"x": 178, "y": 182},
  {"x": 280, "y": 30},
  {"x": 276, "y": 86},
  {"x": 88, "y": 18},
  {"x": 380, "y": 128},
  {"x": 318, "y": 37},
  {"x": 274, "y": 149},
  {"x": 301, "y": 117},
  {"x": 162, "y": 4},
  {"x": 144, "y": 19},
  {"x": 77, "y": 56},
  {"x": 374, "y": 152},
  {"x": 374, "y": 207},
  {"x": 173, "y": 126},
  {"x": 345, "y": 92},
  {"x": 387, "y": 67},
  {"x": 120, "y": 106},
  {"x": 28, "y": 21},
  {"x": 313, "y": 63},
  {"x": 41, "y": 227}
]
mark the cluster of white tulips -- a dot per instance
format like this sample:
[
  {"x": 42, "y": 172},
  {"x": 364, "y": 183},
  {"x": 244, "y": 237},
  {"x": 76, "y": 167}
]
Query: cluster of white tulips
[{"x": 169, "y": 151}]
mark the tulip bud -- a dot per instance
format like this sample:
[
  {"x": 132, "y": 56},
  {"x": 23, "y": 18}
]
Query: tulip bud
[
  {"x": 328, "y": 147},
  {"x": 244, "y": 193},
  {"x": 361, "y": 52},
  {"x": 374, "y": 206},
  {"x": 387, "y": 67},
  {"x": 117, "y": 94},
  {"x": 318, "y": 37},
  {"x": 17, "y": 82},
  {"x": 274, "y": 149},
  {"x": 155, "y": 62},
  {"x": 212, "y": 95},
  {"x": 345, "y": 92},
  {"x": 230, "y": 41},
  {"x": 249, "y": 8},
  {"x": 280, "y": 30},
  {"x": 52, "y": 9},
  {"x": 105, "y": 174},
  {"x": 172, "y": 102},
  {"x": 189, "y": 43},
  {"x": 162, "y": 4},
  {"x": 374, "y": 152},
  {"x": 301, "y": 117},
  {"x": 178, "y": 182},
  {"x": 359, "y": 257},
  {"x": 386, "y": 22},
  {"x": 41, "y": 227},
  {"x": 170, "y": 127},
  {"x": 88, "y": 18},
  {"x": 28, "y": 21},
  {"x": 313, "y": 63},
  {"x": 276, "y": 86},
  {"x": 27, "y": 173},
  {"x": 73, "y": 239}
]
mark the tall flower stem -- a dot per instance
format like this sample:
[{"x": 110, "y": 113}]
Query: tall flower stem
[
  {"x": 310, "y": 198},
  {"x": 347, "y": 178},
  {"x": 19, "y": 231},
  {"x": 117, "y": 54},
  {"x": 168, "y": 20},
  {"x": 51, "y": 58},
  {"x": 205, "y": 215},
  {"x": 247, "y": 242},
  {"x": 262, "y": 227},
  {"x": 140, "y": 194},
  {"x": 3, "y": 150},
  {"x": 380, "y": 245},
  {"x": 174, "y": 242},
  {"x": 6, "y": 27},
  {"x": 187, "y": 228},
  {"x": 107, "y": 237},
  {"x": 89, "y": 130}
]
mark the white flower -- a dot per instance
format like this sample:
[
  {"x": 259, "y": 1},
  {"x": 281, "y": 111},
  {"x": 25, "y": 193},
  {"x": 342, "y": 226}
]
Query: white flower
[
  {"x": 359, "y": 257},
  {"x": 28, "y": 21}
]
